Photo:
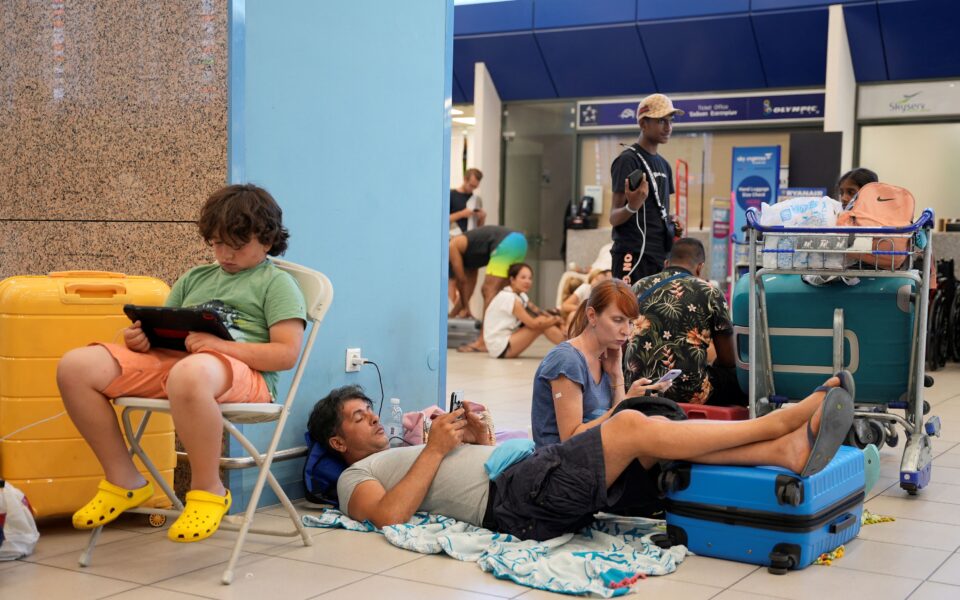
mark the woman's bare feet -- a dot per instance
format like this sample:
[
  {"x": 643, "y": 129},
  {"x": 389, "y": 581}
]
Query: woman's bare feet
[
  {"x": 810, "y": 447},
  {"x": 797, "y": 414},
  {"x": 796, "y": 449}
]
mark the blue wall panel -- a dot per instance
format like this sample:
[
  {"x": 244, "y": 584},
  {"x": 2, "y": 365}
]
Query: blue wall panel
[
  {"x": 793, "y": 46},
  {"x": 320, "y": 98},
  {"x": 495, "y": 17},
  {"x": 459, "y": 97},
  {"x": 605, "y": 61},
  {"x": 866, "y": 42},
  {"x": 921, "y": 38},
  {"x": 703, "y": 54},
  {"x": 674, "y": 9},
  {"x": 514, "y": 63},
  {"x": 577, "y": 13}
]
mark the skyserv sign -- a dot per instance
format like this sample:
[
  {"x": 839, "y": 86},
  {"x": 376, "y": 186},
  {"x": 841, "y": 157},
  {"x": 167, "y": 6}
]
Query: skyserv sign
[
  {"x": 720, "y": 109},
  {"x": 909, "y": 100}
]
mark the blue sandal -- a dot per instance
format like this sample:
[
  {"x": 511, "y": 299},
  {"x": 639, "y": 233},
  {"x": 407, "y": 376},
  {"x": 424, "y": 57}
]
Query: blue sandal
[
  {"x": 836, "y": 417},
  {"x": 846, "y": 383}
]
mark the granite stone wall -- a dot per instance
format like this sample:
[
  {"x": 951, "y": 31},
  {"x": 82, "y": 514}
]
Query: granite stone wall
[{"x": 113, "y": 115}]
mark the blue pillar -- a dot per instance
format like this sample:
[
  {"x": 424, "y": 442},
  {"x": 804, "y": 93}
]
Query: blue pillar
[{"x": 341, "y": 110}]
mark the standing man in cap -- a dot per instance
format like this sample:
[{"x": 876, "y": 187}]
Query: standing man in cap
[{"x": 643, "y": 229}]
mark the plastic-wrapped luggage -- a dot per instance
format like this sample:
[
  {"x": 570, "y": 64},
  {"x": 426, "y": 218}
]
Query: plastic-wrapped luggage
[
  {"x": 462, "y": 331},
  {"x": 42, "y": 317},
  {"x": 765, "y": 515},
  {"x": 802, "y": 212}
]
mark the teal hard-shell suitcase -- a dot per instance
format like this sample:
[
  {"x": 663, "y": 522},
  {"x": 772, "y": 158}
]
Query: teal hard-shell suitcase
[{"x": 878, "y": 332}]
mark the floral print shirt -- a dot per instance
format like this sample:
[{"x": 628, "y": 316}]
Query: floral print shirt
[{"x": 676, "y": 324}]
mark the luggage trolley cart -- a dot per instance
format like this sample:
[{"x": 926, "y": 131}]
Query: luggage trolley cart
[{"x": 873, "y": 323}]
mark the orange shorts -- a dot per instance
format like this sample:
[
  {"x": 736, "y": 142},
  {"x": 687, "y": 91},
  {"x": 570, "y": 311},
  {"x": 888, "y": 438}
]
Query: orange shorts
[{"x": 145, "y": 374}]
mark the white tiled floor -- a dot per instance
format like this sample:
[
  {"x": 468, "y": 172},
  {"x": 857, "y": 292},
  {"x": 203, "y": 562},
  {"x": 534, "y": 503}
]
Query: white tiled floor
[{"x": 916, "y": 557}]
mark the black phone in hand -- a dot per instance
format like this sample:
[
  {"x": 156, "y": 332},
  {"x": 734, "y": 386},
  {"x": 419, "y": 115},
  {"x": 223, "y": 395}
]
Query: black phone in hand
[
  {"x": 456, "y": 400},
  {"x": 635, "y": 177}
]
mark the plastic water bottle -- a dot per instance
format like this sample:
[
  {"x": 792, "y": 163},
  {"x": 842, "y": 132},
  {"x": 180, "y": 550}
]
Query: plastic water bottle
[{"x": 395, "y": 424}]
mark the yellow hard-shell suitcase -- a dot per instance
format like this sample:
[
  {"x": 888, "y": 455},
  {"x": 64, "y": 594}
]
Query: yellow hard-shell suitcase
[{"x": 42, "y": 317}]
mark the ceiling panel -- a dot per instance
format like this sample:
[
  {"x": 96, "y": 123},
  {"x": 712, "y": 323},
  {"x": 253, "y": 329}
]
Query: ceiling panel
[
  {"x": 577, "y": 13},
  {"x": 723, "y": 57},
  {"x": 791, "y": 60},
  {"x": 514, "y": 63},
  {"x": 599, "y": 61},
  {"x": 921, "y": 38}
]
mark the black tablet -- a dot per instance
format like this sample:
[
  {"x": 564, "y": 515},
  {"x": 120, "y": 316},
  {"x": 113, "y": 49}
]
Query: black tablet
[{"x": 168, "y": 327}]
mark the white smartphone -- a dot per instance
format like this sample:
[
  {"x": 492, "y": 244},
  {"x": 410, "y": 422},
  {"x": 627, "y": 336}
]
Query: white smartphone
[{"x": 670, "y": 376}]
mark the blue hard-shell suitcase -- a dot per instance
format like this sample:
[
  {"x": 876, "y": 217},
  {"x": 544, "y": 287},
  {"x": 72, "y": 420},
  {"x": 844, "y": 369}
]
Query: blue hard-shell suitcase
[
  {"x": 765, "y": 515},
  {"x": 878, "y": 334}
]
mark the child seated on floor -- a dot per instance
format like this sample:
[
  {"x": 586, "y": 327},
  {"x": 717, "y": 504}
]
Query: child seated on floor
[
  {"x": 264, "y": 310},
  {"x": 580, "y": 294}
]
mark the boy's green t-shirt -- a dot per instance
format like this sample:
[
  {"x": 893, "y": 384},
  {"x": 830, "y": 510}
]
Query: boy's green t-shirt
[{"x": 249, "y": 302}]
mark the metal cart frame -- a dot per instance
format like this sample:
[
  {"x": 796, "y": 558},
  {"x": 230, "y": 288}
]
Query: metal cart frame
[{"x": 915, "y": 466}]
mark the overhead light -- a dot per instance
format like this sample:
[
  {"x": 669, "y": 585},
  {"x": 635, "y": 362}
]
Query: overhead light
[
  {"x": 465, "y": 120},
  {"x": 456, "y": 111}
]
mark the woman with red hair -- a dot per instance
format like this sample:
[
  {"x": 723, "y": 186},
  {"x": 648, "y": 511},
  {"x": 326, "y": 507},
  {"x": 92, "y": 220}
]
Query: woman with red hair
[{"x": 580, "y": 381}]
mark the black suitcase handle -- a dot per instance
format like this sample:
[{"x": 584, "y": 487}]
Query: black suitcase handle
[{"x": 844, "y": 522}]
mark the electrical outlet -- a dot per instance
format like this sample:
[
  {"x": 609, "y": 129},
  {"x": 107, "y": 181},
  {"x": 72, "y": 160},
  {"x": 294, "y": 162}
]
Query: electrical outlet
[{"x": 354, "y": 360}]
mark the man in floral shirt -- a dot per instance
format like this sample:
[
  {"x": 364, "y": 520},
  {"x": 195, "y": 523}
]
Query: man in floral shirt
[{"x": 680, "y": 316}]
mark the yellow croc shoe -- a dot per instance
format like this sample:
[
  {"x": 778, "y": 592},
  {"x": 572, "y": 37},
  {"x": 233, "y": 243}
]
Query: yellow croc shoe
[
  {"x": 201, "y": 516},
  {"x": 110, "y": 501}
]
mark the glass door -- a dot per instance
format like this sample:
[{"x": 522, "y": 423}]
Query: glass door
[{"x": 538, "y": 185}]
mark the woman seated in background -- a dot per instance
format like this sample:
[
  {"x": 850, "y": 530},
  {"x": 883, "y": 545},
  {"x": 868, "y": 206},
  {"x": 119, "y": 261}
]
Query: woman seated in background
[
  {"x": 512, "y": 322},
  {"x": 572, "y": 302},
  {"x": 580, "y": 382},
  {"x": 850, "y": 183}
]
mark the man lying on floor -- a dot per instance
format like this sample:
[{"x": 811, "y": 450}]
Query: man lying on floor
[{"x": 558, "y": 488}]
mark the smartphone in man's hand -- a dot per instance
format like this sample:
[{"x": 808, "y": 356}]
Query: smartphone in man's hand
[{"x": 456, "y": 400}]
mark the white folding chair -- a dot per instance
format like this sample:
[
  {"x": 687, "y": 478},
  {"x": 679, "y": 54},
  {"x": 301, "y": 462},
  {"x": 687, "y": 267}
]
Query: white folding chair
[{"x": 318, "y": 293}]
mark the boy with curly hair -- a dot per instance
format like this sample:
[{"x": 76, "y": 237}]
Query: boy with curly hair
[{"x": 264, "y": 310}]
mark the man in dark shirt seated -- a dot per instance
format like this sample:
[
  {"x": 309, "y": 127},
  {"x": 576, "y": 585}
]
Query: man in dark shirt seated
[{"x": 681, "y": 315}]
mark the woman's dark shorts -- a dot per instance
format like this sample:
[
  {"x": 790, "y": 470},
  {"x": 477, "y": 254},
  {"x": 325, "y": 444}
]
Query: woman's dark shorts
[{"x": 560, "y": 487}]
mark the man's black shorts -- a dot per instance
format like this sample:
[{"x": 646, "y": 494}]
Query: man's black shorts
[{"x": 558, "y": 489}]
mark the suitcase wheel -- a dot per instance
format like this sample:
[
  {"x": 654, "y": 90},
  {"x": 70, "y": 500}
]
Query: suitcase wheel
[
  {"x": 783, "y": 558},
  {"x": 662, "y": 540},
  {"x": 156, "y": 520},
  {"x": 780, "y": 564},
  {"x": 789, "y": 490},
  {"x": 865, "y": 432},
  {"x": 892, "y": 438}
]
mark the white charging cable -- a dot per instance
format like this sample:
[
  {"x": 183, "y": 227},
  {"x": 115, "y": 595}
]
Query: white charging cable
[
  {"x": 643, "y": 236},
  {"x": 25, "y": 427}
]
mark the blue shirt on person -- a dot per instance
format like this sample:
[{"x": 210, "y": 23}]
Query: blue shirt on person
[{"x": 565, "y": 360}]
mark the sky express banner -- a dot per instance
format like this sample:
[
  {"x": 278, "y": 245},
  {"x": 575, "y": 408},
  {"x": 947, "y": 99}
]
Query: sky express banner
[{"x": 709, "y": 110}]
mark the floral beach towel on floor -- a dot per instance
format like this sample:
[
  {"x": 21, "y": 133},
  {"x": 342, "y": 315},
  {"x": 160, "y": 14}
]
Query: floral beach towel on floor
[{"x": 605, "y": 559}]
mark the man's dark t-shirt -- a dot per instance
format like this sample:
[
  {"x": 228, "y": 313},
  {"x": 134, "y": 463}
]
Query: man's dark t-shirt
[
  {"x": 458, "y": 202},
  {"x": 627, "y": 236}
]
